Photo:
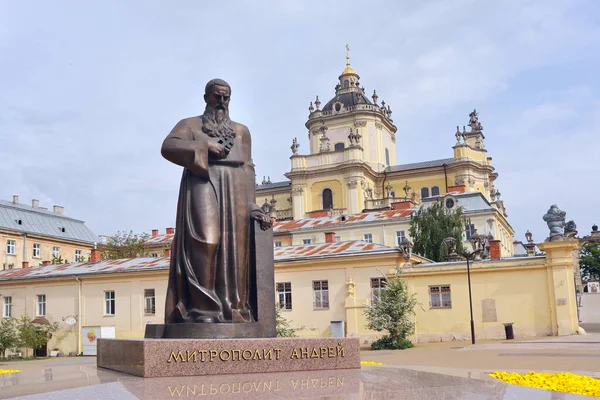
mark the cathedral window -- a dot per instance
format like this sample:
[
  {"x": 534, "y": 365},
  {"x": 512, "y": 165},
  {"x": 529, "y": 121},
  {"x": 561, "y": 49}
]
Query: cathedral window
[
  {"x": 469, "y": 231},
  {"x": 424, "y": 192},
  {"x": 435, "y": 191},
  {"x": 327, "y": 199},
  {"x": 387, "y": 157},
  {"x": 346, "y": 83},
  {"x": 338, "y": 147}
]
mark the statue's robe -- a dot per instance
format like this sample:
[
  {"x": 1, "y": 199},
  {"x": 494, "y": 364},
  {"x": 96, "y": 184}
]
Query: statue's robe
[{"x": 210, "y": 264}]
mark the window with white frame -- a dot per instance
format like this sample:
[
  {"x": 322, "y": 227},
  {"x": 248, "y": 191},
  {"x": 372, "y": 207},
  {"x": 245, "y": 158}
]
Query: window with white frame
[
  {"x": 55, "y": 251},
  {"x": 368, "y": 237},
  {"x": 424, "y": 192},
  {"x": 278, "y": 244},
  {"x": 284, "y": 295},
  {"x": 469, "y": 230},
  {"x": 377, "y": 287},
  {"x": 306, "y": 241},
  {"x": 435, "y": 191},
  {"x": 7, "y": 306},
  {"x": 78, "y": 256},
  {"x": 337, "y": 239},
  {"x": 11, "y": 246},
  {"x": 41, "y": 305},
  {"x": 439, "y": 296},
  {"x": 154, "y": 255},
  {"x": 109, "y": 302},
  {"x": 320, "y": 295},
  {"x": 399, "y": 236},
  {"x": 149, "y": 302},
  {"x": 37, "y": 250}
]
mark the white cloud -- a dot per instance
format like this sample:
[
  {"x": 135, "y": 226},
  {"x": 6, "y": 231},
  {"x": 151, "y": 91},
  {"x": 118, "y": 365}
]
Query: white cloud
[{"x": 91, "y": 90}]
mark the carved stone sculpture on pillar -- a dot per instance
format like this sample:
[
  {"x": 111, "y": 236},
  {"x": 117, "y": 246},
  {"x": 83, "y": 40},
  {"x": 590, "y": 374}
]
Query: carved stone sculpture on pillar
[
  {"x": 555, "y": 219},
  {"x": 458, "y": 136},
  {"x": 295, "y": 146},
  {"x": 405, "y": 247},
  {"x": 529, "y": 246}
]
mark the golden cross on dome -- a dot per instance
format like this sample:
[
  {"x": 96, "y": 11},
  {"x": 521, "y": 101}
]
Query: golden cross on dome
[{"x": 347, "y": 56}]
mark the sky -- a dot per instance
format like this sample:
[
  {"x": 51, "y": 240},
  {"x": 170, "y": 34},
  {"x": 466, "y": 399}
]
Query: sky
[{"x": 89, "y": 90}]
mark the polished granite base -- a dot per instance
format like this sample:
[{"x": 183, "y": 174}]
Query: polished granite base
[
  {"x": 369, "y": 383},
  {"x": 152, "y": 358}
]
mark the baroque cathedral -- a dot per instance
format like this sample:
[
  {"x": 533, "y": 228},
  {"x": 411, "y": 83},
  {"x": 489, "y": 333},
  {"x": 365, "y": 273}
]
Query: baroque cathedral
[{"x": 348, "y": 186}]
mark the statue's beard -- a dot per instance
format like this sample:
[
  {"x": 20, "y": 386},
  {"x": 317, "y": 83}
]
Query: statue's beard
[{"x": 216, "y": 122}]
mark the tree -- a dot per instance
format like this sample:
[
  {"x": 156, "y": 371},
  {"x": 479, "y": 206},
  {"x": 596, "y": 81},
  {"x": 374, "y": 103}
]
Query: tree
[
  {"x": 9, "y": 336},
  {"x": 431, "y": 224},
  {"x": 392, "y": 313},
  {"x": 589, "y": 261},
  {"x": 125, "y": 245},
  {"x": 282, "y": 325},
  {"x": 58, "y": 260},
  {"x": 33, "y": 335}
]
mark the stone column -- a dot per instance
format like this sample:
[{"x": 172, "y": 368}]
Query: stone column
[
  {"x": 355, "y": 321},
  {"x": 353, "y": 204},
  {"x": 298, "y": 202},
  {"x": 561, "y": 285}
]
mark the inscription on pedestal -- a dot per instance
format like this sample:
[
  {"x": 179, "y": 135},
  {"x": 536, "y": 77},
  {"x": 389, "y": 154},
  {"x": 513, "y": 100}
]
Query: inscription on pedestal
[
  {"x": 184, "y": 357},
  {"x": 255, "y": 354}
]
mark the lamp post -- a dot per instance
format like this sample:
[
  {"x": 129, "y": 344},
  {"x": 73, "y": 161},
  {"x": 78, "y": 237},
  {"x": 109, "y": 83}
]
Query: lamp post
[{"x": 479, "y": 244}]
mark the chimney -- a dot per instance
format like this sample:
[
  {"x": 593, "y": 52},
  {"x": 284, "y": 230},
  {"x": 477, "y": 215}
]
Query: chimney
[
  {"x": 154, "y": 232},
  {"x": 44, "y": 263},
  {"x": 329, "y": 237},
  {"x": 25, "y": 264},
  {"x": 60, "y": 210},
  {"x": 15, "y": 199},
  {"x": 95, "y": 255},
  {"x": 170, "y": 231},
  {"x": 168, "y": 253},
  {"x": 35, "y": 203},
  {"x": 495, "y": 250}
]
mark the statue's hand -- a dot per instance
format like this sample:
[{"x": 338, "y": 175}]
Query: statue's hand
[
  {"x": 262, "y": 218},
  {"x": 217, "y": 149}
]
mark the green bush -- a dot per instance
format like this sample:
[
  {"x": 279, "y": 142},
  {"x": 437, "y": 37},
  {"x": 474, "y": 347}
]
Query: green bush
[{"x": 386, "y": 342}]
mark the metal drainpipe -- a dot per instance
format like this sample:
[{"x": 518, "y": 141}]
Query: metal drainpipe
[
  {"x": 79, "y": 351},
  {"x": 24, "y": 249}
]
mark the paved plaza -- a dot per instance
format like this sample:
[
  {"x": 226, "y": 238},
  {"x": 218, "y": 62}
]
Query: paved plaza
[{"x": 455, "y": 370}]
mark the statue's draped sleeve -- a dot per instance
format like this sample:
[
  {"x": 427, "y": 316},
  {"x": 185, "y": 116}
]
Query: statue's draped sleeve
[
  {"x": 250, "y": 173},
  {"x": 181, "y": 147}
]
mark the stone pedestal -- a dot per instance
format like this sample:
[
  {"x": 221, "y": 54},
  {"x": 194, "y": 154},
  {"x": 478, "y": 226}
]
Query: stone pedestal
[{"x": 191, "y": 357}]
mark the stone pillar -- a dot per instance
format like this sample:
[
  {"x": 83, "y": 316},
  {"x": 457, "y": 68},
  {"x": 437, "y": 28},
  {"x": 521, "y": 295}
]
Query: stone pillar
[
  {"x": 354, "y": 310},
  {"x": 298, "y": 202},
  {"x": 561, "y": 285},
  {"x": 353, "y": 206}
]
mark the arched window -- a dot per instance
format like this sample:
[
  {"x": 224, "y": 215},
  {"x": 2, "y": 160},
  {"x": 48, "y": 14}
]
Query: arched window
[
  {"x": 327, "y": 199},
  {"x": 346, "y": 83},
  {"x": 339, "y": 147},
  {"x": 387, "y": 157},
  {"x": 424, "y": 192},
  {"x": 435, "y": 191}
]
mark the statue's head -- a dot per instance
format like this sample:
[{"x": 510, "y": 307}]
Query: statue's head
[
  {"x": 216, "y": 120},
  {"x": 217, "y": 94}
]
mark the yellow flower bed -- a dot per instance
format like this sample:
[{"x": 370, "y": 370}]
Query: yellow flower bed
[
  {"x": 560, "y": 381},
  {"x": 8, "y": 371}
]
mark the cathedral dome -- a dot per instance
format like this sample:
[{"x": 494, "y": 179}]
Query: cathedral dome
[
  {"x": 345, "y": 100},
  {"x": 347, "y": 92}
]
